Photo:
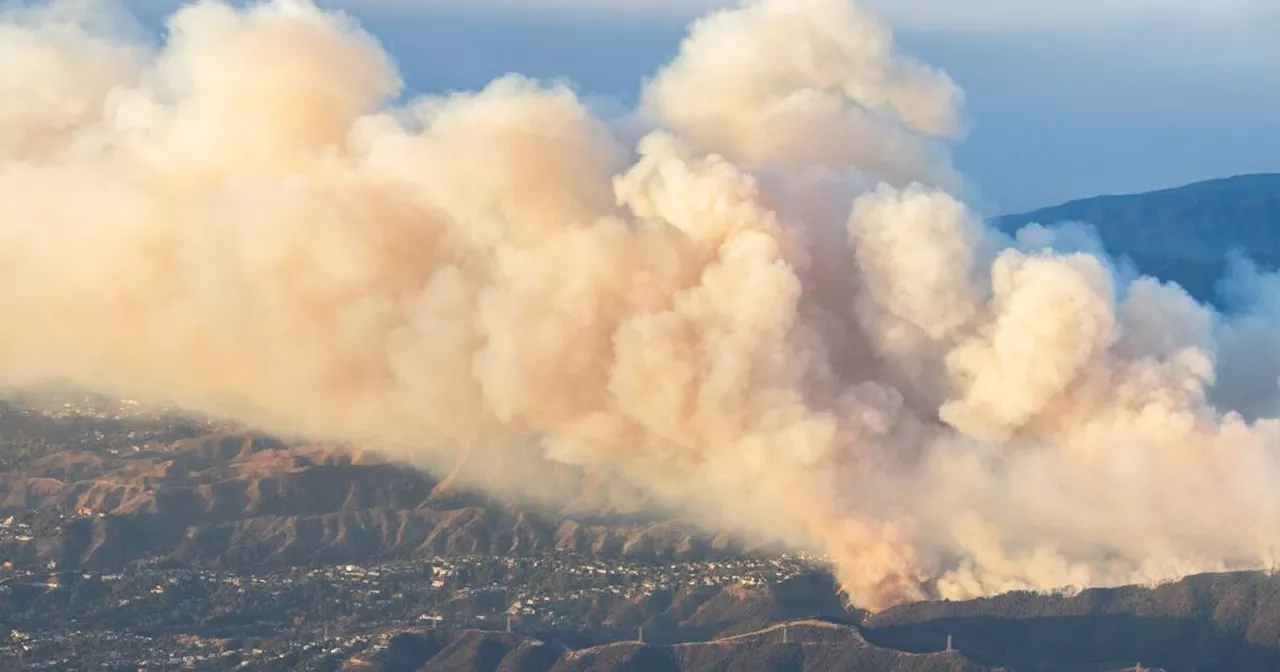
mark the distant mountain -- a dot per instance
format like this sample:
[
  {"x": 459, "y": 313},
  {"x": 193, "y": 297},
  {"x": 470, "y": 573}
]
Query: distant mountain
[{"x": 1181, "y": 234}]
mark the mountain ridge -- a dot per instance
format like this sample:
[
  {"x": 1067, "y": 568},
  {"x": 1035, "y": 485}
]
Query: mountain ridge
[{"x": 1181, "y": 234}]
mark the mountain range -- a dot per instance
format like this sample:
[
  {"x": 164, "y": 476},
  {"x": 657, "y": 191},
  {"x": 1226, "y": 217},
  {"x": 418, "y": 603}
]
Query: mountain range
[
  {"x": 1182, "y": 234},
  {"x": 246, "y": 500}
]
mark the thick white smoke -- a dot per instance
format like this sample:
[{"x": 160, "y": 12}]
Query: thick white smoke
[{"x": 770, "y": 314}]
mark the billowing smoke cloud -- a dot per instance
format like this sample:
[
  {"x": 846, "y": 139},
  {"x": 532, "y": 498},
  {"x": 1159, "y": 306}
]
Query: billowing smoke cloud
[
  {"x": 770, "y": 314},
  {"x": 803, "y": 83}
]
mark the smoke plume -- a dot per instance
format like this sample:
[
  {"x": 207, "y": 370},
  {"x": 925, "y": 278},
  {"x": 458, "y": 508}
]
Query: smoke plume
[{"x": 771, "y": 313}]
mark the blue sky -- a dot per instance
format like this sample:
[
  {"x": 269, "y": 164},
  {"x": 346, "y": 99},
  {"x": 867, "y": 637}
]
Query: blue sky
[{"x": 1065, "y": 100}]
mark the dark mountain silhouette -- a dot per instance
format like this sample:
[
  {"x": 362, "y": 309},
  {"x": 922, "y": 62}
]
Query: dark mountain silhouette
[
  {"x": 1182, "y": 234},
  {"x": 1202, "y": 623}
]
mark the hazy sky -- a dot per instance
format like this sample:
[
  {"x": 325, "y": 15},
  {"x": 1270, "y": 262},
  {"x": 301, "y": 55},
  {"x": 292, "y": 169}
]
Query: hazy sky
[
  {"x": 900, "y": 12},
  {"x": 1065, "y": 99}
]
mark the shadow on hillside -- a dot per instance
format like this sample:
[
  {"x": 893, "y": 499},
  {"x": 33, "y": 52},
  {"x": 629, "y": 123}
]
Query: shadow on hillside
[{"x": 1083, "y": 643}]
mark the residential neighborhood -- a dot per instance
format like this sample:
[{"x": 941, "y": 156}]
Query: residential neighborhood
[{"x": 158, "y": 618}]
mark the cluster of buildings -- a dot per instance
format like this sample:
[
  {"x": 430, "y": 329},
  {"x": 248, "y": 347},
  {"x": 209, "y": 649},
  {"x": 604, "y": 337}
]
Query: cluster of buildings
[
  {"x": 12, "y": 529},
  {"x": 123, "y": 650},
  {"x": 167, "y": 617}
]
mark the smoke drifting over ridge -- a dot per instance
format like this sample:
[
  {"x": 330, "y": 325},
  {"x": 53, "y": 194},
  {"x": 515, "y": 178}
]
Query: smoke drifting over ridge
[{"x": 771, "y": 313}]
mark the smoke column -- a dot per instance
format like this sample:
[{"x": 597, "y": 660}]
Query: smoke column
[{"x": 771, "y": 313}]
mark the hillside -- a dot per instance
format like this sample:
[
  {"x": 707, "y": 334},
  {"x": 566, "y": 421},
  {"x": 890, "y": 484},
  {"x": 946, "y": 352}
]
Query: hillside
[
  {"x": 1181, "y": 234},
  {"x": 105, "y": 492},
  {"x": 802, "y": 646},
  {"x": 1206, "y": 622}
]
